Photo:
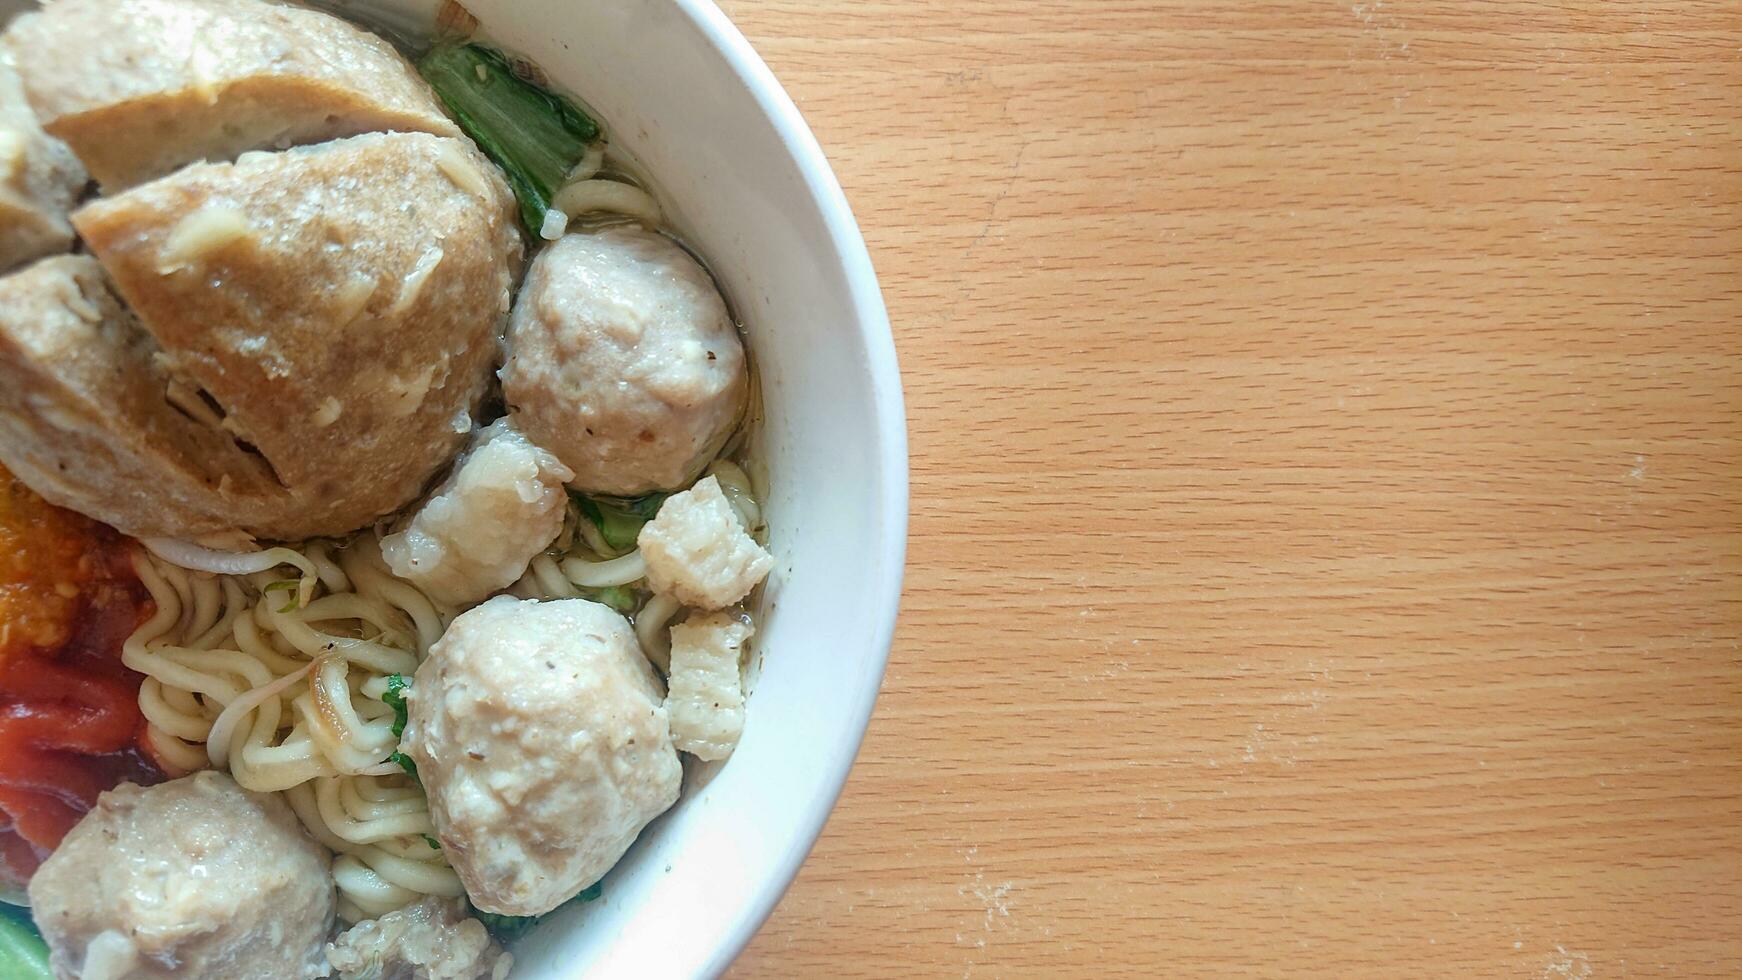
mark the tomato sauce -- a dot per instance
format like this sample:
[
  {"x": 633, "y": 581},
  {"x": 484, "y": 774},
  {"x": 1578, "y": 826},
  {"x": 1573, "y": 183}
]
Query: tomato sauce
[{"x": 70, "y": 725}]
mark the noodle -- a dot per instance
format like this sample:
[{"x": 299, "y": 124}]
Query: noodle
[
  {"x": 195, "y": 558},
  {"x": 650, "y": 630},
  {"x": 279, "y": 681},
  {"x": 605, "y": 574},
  {"x": 603, "y": 194},
  {"x": 735, "y": 484}
]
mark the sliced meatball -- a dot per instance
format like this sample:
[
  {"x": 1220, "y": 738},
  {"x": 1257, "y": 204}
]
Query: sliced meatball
[
  {"x": 539, "y": 734},
  {"x": 698, "y": 553},
  {"x": 141, "y": 87},
  {"x": 623, "y": 361},
  {"x": 39, "y": 179},
  {"x": 196, "y": 878},
  {"x": 501, "y": 506},
  {"x": 706, "y": 702},
  {"x": 432, "y": 940},
  {"x": 365, "y": 283},
  {"x": 87, "y": 418}
]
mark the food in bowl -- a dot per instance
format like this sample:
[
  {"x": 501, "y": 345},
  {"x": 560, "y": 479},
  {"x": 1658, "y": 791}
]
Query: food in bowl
[{"x": 375, "y": 496}]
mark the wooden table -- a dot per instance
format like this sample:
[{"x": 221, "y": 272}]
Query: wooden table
[{"x": 1327, "y": 488}]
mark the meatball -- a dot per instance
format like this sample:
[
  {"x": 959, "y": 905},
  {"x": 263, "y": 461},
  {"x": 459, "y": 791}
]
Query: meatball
[
  {"x": 141, "y": 87},
  {"x": 539, "y": 734},
  {"x": 365, "y": 284},
  {"x": 196, "y": 878},
  {"x": 84, "y": 409},
  {"x": 39, "y": 178},
  {"x": 623, "y": 361},
  {"x": 698, "y": 553},
  {"x": 502, "y": 505},
  {"x": 432, "y": 940}
]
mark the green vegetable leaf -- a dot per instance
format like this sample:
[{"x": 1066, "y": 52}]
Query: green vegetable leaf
[
  {"x": 534, "y": 135},
  {"x": 507, "y": 928},
  {"x": 619, "y": 520},
  {"x": 620, "y": 530},
  {"x": 432, "y": 842},
  {"x": 645, "y": 507},
  {"x": 618, "y": 597},
  {"x": 590, "y": 510},
  {"x": 285, "y": 585},
  {"x": 394, "y": 697},
  {"x": 23, "y": 954},
  {"x": 404, "y": 762}
]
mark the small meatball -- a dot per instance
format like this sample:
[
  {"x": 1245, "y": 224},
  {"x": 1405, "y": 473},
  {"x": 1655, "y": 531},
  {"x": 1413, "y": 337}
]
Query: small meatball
[
  {"x": 432, "y": 940},
  {"x": 623, "y": 362},
  {"x": 141, "y": 87},
  {"x": 706, "y": 703},
  {"x": 540, "y": 736},
  {"x": 698, "y": 553},
  {"x": 502, "y": 505},
  {"x": 39, "y": 179},
  {"x": 196, "y": 878}
]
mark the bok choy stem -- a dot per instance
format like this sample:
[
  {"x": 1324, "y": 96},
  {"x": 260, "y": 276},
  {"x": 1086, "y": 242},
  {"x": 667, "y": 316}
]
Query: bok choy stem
[{"x": 23, "y": 954}]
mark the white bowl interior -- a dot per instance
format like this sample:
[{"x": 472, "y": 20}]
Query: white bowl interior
[
  {"x": 748, "y": 188},
  {"x": 678, "y": 88}
]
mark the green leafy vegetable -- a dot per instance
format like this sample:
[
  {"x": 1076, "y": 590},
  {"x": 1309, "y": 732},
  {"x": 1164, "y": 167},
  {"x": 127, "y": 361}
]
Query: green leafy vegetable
[
  {"x": 534, "y": 135},
  {"x": 23, "y": 954},
  {"x": 404, "y": 762},
  {"x": 394, "y": 697},
  {"x": 645, "y": 507},
  {"x": 590, "y": 510},
  {"x": 432, "y": 842},
  {"x": 618, "y": 597},
  {"x": 619, "y": 520},
  {"x": 620, "y": 530},
  {"x": 285, "y": 585},
  {"x": 507, "y": 928}
]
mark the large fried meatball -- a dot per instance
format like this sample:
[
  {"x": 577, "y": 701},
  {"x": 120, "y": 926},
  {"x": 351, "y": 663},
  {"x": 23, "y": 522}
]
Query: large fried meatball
[
  {"x": 539, "y": 733},
  {"x": 140, "y": 87},
  {"x": 331, "y": 311},
  {"x": 86, "y": 417},
  {"x": 623, "y": 361},
  {"x": 39, "y": 178},
  {"x": 197, "y": 879}
]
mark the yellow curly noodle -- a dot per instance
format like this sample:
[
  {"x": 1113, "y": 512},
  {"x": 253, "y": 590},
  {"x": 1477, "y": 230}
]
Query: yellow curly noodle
[
  {"x": 279, "y": 679},
  {"x": 275, "y": 667}
]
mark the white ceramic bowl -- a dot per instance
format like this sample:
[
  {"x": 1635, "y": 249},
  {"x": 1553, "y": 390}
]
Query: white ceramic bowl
[
  {"x": 683, "y": 91},
  {"x": 680, "y": 88}
]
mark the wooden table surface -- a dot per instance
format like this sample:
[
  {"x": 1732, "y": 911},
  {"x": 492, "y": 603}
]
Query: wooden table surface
[{"x": 1326, "y": 552}]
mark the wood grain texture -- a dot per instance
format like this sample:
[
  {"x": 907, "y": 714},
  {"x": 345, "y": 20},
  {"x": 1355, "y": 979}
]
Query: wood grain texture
[{"x": 1326, "y": 553}]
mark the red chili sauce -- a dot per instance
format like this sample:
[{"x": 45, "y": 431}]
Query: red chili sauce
[{"x": 69, "y": 711}]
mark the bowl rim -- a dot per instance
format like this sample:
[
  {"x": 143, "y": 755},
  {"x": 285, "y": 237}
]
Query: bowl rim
[{"x": 889, "y": 415}]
